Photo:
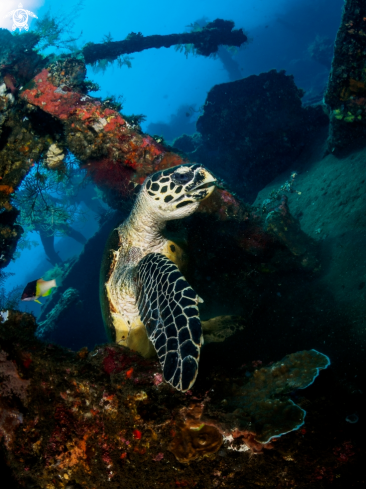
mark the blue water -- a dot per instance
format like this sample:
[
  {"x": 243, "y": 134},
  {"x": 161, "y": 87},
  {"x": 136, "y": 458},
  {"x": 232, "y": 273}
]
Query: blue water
[{"x": 163, "y": 84}]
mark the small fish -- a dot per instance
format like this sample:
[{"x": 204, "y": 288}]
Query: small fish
[{"x": 38, "y": 288}]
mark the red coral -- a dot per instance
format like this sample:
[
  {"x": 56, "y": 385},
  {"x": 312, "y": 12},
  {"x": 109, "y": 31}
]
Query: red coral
[
  {"x": 114, "y": 123},
  {"x": 51, "y": 99},
  {"x": 115, "y": 362},
  {"x": 129, "y": 373},
  {"x": 107, "y": 459},
  {"x": 323, "y": 473},
  {"x": 137, "y": 434},
  {"x": 110, "y": 175},
  {"x": 158, "y": 457}
]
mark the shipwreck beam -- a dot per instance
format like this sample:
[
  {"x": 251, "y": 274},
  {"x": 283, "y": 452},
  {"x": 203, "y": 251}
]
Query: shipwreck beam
[{"x": 206, "y": 42}]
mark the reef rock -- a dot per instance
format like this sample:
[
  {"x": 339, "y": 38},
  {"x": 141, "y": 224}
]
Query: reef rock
[
  {"x": 101, "y": 417},
  {"x": 252, "y": 130},
  {"x": 329, "y": 307}
]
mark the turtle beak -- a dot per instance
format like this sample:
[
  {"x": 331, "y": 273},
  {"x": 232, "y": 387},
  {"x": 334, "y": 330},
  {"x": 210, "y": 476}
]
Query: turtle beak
[{"x": 203, "y": 186}]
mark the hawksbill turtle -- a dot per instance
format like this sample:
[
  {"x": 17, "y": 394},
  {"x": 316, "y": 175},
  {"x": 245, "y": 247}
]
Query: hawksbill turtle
[{"x": 147, "y": 305}]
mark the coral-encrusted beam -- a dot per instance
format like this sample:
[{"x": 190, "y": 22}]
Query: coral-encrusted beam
[
  {"x": 206, "y": 42},
  {"x": 111, "y": 148},
  {"x": 115, "y": 153}
]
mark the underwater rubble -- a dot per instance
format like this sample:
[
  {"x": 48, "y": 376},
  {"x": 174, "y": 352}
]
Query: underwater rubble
[{"x": 104, "y": 417}]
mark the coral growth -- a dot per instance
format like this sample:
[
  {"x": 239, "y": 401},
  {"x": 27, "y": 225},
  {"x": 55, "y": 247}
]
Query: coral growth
[
  {"x": 346, "y": 91},
  {"x": 54, "y": 157},
  {"x": 262, "y": 409},
  {"x": 194, "y": 439},
  {"x": 85, "y": 418},
  {"x": 273, "y": 414},
  {"x": 98, "y": 135}
]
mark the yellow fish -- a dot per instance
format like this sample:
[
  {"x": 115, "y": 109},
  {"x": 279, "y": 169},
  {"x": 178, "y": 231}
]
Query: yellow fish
[{"x": 38, "y": 288}]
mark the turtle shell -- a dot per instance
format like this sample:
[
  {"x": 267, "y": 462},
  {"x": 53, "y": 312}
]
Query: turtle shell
[{"x": 107, "y": 267}]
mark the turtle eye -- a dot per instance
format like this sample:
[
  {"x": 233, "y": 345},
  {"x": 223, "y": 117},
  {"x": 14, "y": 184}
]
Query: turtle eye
[{"x": 182, "y": 178}]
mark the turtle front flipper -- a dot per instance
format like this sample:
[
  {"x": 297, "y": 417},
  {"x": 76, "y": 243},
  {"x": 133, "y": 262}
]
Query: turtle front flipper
[{"x": 168, "y": 308}]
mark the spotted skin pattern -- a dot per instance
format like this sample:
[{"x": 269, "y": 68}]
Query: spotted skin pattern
[
  {"x": 168, "y": 308},
  {"x": 168, "y": 186}
]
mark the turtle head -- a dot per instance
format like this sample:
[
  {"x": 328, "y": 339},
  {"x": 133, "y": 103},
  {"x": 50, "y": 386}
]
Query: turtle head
[{"x": 177, "y": 192}]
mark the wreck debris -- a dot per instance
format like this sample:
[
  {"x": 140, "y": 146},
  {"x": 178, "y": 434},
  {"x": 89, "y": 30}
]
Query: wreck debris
[
  {"x": 346, "y": 91},
  {"x": 206, "y": 42},
  {"x": 90, "y": 418},
  {"x": 18, "y": 63},
  {"x": 46, "y": 327},
  {"x": 258, "y": 126},
  {"x": 10, "y": 233},
  {"x": 115, "y": 153},
  {"x": 117, "y": 156}
]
